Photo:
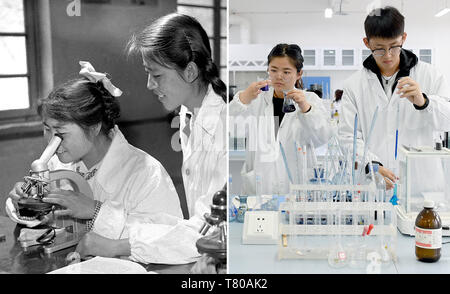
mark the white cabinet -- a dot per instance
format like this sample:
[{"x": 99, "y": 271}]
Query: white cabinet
[
  {"x": 253, "y": 57},
  {"x": 426, "y": 55},
  {"x": 310, "y": 58},
  {"x": 348, "y": 57}
]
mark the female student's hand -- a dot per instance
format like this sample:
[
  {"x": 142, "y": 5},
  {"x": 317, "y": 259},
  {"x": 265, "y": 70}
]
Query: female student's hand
[
  {"x": 206, "y": 265},
  {"x": 16, "y": 193},
  {"x": 252, "y": 91},
  {"x": 410, "y": 89},
  {"x": 93, "y": 244},
  {"x": 76, "y": 204},
  {"x": 299, "y": 97}
]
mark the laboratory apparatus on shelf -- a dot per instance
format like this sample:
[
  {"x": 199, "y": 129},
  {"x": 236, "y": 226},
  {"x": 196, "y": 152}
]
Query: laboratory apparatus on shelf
[
  {"x": 343, "y": 215},
  {"x": 65, "y": 231},
  {"x": 327, "y": 224},
  {"x": 424, "y": 175}
]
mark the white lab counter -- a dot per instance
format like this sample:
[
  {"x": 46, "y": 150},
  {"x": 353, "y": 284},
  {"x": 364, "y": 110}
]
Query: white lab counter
[{"x": 262, "y": 259}]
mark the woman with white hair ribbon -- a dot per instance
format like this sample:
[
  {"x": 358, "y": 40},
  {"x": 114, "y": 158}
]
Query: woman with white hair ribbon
[{"x": 128, "y": 184}]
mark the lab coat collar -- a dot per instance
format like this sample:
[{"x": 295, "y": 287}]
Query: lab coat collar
[
  {"x": 407, "y": 61},
  {"x": 204, "y": 122},
  {"x": 115, "y": 158},
  {"x": 208, "y": 115}
]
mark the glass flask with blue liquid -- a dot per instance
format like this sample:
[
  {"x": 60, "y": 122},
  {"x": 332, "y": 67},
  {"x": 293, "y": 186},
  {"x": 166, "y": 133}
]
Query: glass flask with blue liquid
[{"x": 288, "y": 103}]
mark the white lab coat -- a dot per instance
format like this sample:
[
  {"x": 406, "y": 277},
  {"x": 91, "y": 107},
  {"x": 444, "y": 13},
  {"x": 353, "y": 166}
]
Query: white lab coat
[
  {"x": 263, "y": 157},
  {"x": 204, "y": 152},
  {"x": 204, "y": 172},
  {"x": 132, "y": 185},
  {"x": 363, "y": 93}
]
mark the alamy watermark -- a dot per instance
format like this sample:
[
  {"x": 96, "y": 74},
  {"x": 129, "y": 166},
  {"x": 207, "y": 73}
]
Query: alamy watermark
[{"x": 74, "y": 8}]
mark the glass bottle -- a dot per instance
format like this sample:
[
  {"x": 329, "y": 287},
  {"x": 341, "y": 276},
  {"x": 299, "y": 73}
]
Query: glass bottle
[
  {"x": 428, "y": 234},
  {"x": 242, "y": 209}
]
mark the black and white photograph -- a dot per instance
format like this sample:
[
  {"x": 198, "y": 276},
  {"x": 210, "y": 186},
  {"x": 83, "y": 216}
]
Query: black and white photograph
[{"x": 113, "y": 136}]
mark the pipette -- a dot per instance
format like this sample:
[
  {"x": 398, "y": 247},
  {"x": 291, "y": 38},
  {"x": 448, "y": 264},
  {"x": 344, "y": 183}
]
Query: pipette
[
  {"x": 316, "y": 168},
  {"x": 354, "y": 148},
  {"x": 285, "y": 163},
  {"x": 394, "y": 197},
  {"x": 366, "y": 145},
  {"x": 396, "y": 131}
]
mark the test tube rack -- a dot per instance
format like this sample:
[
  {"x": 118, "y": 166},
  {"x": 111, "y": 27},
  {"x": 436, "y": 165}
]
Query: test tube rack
[{"x": 311, "y": 226}]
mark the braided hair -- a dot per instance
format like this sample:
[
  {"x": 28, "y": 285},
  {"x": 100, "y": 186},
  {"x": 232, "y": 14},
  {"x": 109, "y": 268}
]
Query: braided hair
[
  {"x": 173, "y": 41},
  {"x": 82, "y": 102}
]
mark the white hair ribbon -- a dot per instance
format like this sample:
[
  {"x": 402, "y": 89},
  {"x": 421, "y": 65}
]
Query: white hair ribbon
[{"x": 88, "y": 71}]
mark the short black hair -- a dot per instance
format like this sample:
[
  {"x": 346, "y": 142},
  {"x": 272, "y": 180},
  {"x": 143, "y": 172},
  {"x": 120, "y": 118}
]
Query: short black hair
[{"x": 385, "y": 23}]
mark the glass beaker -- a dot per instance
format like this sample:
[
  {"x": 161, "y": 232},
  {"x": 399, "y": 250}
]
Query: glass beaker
[
  {"x": 265, "y": 88},
  {"x": 358, "y": 255},
  {"x": 288, "y": 103},
  {"x": 242, "y": 209}
]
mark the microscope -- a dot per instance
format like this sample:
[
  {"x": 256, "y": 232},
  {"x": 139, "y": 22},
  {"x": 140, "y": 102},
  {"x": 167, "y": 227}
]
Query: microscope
[
  {"x": 37, "y": 186},
  {"x": 215, "y": 244}
]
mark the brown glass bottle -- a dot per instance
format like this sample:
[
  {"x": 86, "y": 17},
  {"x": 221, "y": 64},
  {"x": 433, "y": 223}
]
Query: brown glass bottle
[{"x": 428, "y": 232}]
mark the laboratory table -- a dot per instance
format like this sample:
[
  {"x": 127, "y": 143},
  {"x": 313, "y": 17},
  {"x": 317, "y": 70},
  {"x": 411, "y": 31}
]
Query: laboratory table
[
  {"x": 33, "y": 260},
  {"x": 262, "y": 259}
]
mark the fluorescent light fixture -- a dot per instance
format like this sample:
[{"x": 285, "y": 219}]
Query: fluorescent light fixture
[
  {"x": 328, "y": 12},
  {"x": 442, "y": 12}
]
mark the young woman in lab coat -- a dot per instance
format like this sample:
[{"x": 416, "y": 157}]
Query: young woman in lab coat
[
  {"x": 408, "y": 92},
  {"x": 264, "y": 171},
  {"x": 176, "y": 55},
  {"x": 128, "y": 185}
]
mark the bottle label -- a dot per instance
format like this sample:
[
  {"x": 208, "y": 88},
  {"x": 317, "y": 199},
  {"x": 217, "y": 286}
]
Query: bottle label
[{"x": 428, "y": 238}]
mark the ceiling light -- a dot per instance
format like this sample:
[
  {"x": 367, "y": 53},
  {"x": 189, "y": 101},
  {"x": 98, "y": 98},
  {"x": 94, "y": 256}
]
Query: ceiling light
[{"x": 443, "y": 11}]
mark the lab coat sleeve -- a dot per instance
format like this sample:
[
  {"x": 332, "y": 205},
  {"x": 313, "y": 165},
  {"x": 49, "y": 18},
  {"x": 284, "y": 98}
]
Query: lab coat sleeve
[
  {"x": 236, "y": 107},
  {"x": 346, "y": 126},
  {"x": 437, "y": 113},
  {"x": 150, "y": 197},
  {"x": 175, "y": 244},
  {"x": 169, "y": 244},
  {"x": 317, "y": 127}
]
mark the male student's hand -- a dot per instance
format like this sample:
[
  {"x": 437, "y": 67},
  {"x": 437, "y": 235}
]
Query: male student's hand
[
  {"x": 389, "y": 177},
  {"x": 410, "y": 89}
]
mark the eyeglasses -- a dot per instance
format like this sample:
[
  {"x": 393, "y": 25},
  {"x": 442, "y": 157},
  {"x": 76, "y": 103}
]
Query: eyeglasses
[
  {"x": 284, "y": 75},
  {"x": 394, "y": 50}
]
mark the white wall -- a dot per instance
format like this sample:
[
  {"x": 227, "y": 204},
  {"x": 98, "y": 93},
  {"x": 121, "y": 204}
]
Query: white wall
[{"x": 303, "y": 22}]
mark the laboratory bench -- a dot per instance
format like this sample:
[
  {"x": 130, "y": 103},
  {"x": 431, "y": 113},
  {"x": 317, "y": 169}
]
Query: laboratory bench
[
  {"x": 33, "y": 260},
  {"x": 263, "y": 259}
]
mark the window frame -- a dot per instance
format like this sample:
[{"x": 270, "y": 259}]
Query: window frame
[
  {"x": 217, "y": 37},
  {"x": 31, "y": 21}
]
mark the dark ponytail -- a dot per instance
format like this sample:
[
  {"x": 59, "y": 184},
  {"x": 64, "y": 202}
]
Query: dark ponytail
[
  {"x": 175, "y": 40},
  {"x": 211, "y": 75},
  {"x": 294, "y": 52}
]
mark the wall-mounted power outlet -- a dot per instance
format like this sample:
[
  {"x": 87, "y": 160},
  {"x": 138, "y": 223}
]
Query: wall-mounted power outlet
[{"x": 260, "y": 227}]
